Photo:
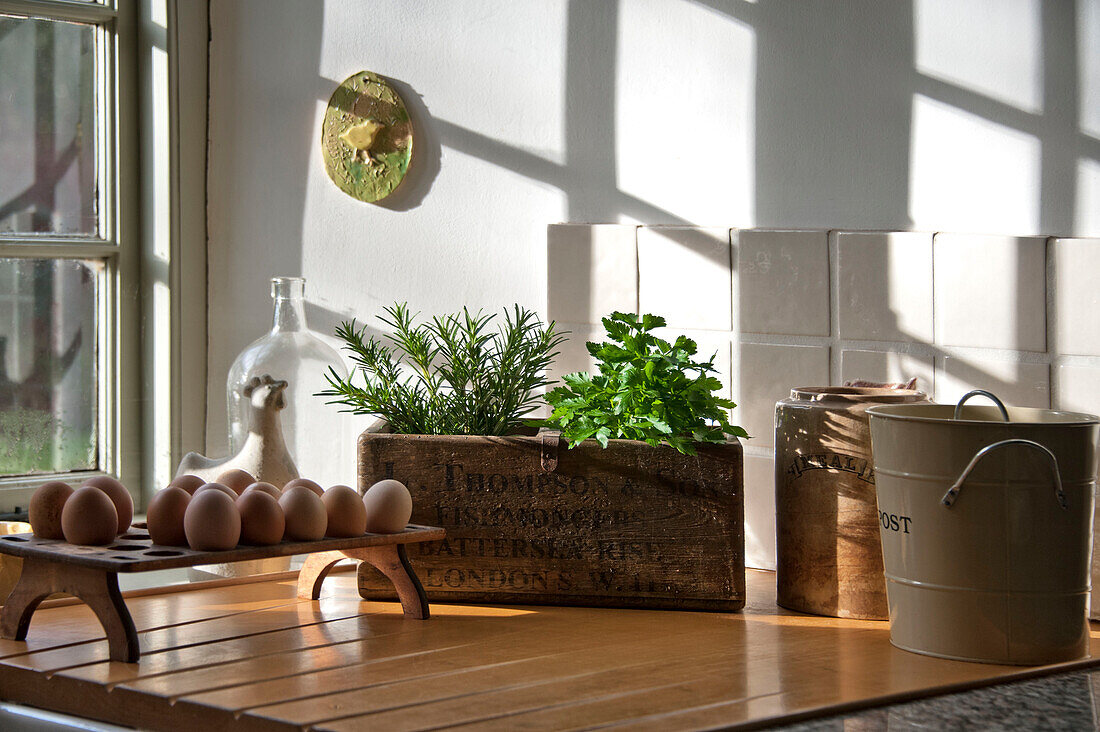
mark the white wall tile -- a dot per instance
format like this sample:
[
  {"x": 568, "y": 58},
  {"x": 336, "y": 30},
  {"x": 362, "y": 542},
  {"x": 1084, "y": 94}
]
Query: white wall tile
[
  {"x": 1017, "y": 384},
  {"x": 1076, "y": 295},
  {"x": 969, "y": 172},
  {"x": 1077, "y": 389},
  {"x": 889, "y": 367},
  {"x": 574, "y": 356},
  {"x": 885, "y": 286},
  {"x": 709, "y": 343},
  {"x": 759, "y": 512},
  {"x": 990, "y": 291},
  {"x": 767, "y": 375},
  {"x": 784, "y": 281},
  {"x": 684, "y": 274},
  {"x": 592, "y": 271},
  {"x": 717, "y": 344}
]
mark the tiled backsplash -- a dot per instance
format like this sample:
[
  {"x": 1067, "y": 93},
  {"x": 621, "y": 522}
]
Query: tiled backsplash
[{"x": 1019, "y": 316}]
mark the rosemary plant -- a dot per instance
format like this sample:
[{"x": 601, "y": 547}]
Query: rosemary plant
[{"x": 451, "y": 375}]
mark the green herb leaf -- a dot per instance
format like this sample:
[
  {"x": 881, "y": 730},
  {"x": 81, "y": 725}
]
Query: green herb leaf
[
  {"x": 452, "y": 375},
  {"x": 646, "y": 389}
]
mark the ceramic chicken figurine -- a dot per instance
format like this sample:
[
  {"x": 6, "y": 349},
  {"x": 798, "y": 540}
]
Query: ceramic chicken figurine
[{"x": 264, "y": 453}]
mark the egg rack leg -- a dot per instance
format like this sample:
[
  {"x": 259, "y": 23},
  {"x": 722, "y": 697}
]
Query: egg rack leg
[
  {"x": 393, "y": 561},
  {"x": 314, "y": 570},
  {"x": 97, "y": 588},
  {"x": 31, "y": 589}
]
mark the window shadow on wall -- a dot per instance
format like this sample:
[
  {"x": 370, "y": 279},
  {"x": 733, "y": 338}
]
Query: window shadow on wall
[
  {"x": 836, "y": 87},
  {"x": 238, "y": 268},
  {"x": 832, "y": 116}
]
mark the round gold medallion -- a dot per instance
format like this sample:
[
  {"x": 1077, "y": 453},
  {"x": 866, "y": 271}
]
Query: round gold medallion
[{"x": 366, "y": 139}]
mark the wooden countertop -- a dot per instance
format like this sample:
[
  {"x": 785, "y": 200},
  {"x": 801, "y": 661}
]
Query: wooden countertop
[{"x": 253, "y": 656}]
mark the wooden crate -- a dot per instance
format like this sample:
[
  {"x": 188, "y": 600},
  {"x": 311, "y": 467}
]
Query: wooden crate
[{"x": 529, "y": 521}]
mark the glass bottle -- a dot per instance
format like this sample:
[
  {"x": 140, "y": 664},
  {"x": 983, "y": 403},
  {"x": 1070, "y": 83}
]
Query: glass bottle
[{"x": 318, "y": 437}]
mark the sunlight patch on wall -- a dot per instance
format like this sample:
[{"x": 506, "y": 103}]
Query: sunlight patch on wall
[
  {"x": 1088, "y": 65},
  {"x": 969, "y": 174},
  {"x": 685, "y": 109},
  {"x": 993, "y": 47},
  {"x": 485, "y": 271},
  {"x": 510, "y": 57},
  {"x": 1088, "y": 193}
]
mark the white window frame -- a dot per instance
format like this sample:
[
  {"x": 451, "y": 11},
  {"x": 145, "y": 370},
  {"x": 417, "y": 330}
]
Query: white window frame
[{"x": 152, "y": 74}]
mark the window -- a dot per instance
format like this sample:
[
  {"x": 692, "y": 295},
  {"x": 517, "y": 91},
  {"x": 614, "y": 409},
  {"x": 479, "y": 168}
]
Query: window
[
  {"x": 102, "y": 360},
  {"x": 68, "y": 249}
]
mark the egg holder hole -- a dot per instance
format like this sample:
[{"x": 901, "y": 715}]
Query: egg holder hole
[{"x": 91, "y": 574}]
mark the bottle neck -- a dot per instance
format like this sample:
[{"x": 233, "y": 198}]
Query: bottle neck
[
  {"x": 289, "y": 315},
  {"x": 289, "y": 309}
]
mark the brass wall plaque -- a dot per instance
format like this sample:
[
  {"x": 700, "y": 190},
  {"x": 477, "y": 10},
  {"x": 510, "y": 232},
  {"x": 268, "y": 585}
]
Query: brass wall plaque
[{"x": 366, "y": 139}]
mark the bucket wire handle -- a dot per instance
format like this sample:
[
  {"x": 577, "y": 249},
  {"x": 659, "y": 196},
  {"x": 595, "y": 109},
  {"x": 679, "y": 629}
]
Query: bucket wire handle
[
  {"x": 981, "y": 392},
  {"x": 953, "y": 493}
]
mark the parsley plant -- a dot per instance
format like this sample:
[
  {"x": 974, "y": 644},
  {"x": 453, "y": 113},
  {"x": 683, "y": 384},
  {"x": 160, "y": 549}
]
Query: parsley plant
[{"x": 647, "y": 389}]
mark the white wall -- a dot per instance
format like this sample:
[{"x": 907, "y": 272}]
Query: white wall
[{"x": 931, "y": 115}]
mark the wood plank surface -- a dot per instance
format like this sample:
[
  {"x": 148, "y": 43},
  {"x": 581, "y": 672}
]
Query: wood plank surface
[{"x": 255, "y": 657}]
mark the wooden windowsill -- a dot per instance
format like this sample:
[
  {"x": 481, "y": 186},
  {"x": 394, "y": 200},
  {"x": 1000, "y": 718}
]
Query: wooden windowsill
[{"x": 255, "y": 657}]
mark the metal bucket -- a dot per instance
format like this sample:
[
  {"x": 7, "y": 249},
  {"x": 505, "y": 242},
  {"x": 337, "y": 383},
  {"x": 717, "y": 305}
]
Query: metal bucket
[{"x": 986, "y": 515}]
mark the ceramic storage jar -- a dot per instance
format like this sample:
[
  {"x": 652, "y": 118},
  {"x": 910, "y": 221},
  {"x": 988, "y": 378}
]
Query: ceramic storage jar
[{"x": 828, "y": 552}]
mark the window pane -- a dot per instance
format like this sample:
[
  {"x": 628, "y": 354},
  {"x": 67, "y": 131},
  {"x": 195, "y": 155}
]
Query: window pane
[
  {"x": 47, "y": 365},
  {"x": 47, "y": 127}
]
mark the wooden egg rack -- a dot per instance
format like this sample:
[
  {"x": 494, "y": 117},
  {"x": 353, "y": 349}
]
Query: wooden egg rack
[{"x": 91, "y": 573}]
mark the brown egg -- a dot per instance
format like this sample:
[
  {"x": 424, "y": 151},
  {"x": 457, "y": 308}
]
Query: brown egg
[
  {"x": 262, "y": 520},
  {"x": 46, "y": 505},
  {"x": 307, "y": 483},
  {"x": 265, "y": 488},
  {"x": 389, "y": 507},
  {"x": 211, "y": 521},
  {"x": 306, "y": 517},
  {"x": 166, "y": 512},
  {"x": 216, "y": 487},
  {"x": 238, "y": 480},
  {"x": 89, "y": 517},
  {"x": 124, "y": 504},
  {"x": 189, "y": 483},
  {"x": 347, "y": 516}
]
